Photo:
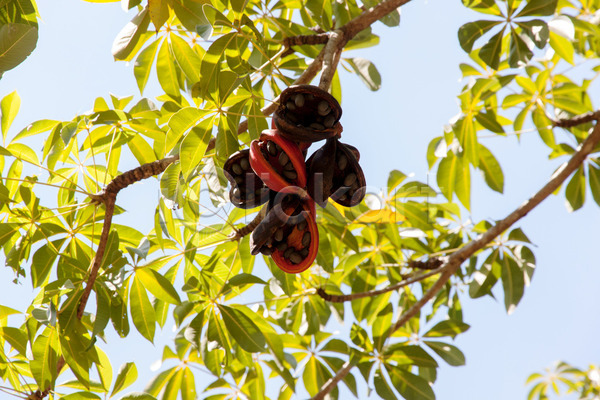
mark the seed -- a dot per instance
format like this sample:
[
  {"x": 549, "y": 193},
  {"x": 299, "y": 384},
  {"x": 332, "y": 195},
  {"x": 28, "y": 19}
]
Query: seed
[
  {"x": 236, "y": 193},
  {"x": 306, "y": 239},
  {"x": 290, "y": 174},
  {"x": 236, "y": 169},
  {"x": 290, "y": 105},
  {"x": 250, "y": 197},
  {"x": 295, "y": 258},
  {"x": 271, "y": 148},
  {"x": 316, "y": 126},
  {"x": 304, "y": 252},
  {"x": 289, "y": 166},
  {"x": 310, "y": 97},
  {"x": 323, "y": 108},
  {"x": 278, "y": 236},
  {"x": 238, "y": 180},
  {"x": 267, "y": 251},
  {"x": 343, "y": 197},
  {"x": 289, "y": 251},
  {"x": 283, "y": 158},
  {"x": 349, "y": 179},
  {"x": 329, "y": 121},
  {"x": 245, "y": 164},
  {"x": 299, "y": 100},
  {"x": 292, "y": 117},
  {"x": 282, "y": 246},
  {"x": 342, "y": 162},
  {"x": 302, "y": 225}
]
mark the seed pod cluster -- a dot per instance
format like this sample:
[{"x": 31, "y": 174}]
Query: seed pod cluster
[{"x": 274, "y": 169}]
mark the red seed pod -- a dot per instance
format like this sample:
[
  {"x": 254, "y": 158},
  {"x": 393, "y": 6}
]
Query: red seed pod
[
  {"x": 307, "y": 113},
  {"x": 278, "y": 162},
  {"x": 288, "y": 233},
  {"x": 247, "y": 190}
]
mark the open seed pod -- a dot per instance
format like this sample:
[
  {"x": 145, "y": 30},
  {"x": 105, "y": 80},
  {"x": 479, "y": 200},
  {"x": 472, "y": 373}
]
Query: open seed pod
[
  {"x": 334, "y": 171},
  {"x": 288, "y": 233},
  {"x": 307, "y": 113},
  {"x": 278, "y": 162},
  {"x": 247, "y": 190},
  {"x": 349, "y": 184}
]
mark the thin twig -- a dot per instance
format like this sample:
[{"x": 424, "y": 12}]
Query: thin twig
[
  {"x": 577, "y": 120},
  {"x": 247, "y": 229},
  {"x": 336, "y": 298},
  {"x": 300, "y": 40}
]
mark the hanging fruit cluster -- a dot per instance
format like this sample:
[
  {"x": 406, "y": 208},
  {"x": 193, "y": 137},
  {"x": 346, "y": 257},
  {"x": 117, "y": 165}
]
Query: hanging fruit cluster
[{"x": 274, "y": 170}]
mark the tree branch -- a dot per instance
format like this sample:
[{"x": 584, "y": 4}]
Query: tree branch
[
  {"x": 333, "y": 381},
  {"x": 331, "y": 57},
  {"x": 367, "y": 18},
  {"x": 335, "y": 298},
  {"x": 456, "y": 259},
  {"x": 247, "y": 229},
  {"x": 300, "y": 40},
  {"x": 577, "y": 120}
]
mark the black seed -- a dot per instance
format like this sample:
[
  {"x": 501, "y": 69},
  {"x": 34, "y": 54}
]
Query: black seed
[
  {"x": 304, "y": 252},
  {"x": 292, "y": 117},
  {"x": 289, "y": 166},
  {"x": 236, "y": 169},
  {"x": 282, "y": 246},
  {"x": 316, "y": 126},
  {"x": 290, "y": 174},
  {"x": 238, "y": 180},
  {"x": 245, "y": 164},
  {"x": 349, "y": 179},
  {"x": 296, "y": 258},
  {"x": 250, "y": 196},
  {"x": 302, "y": 225},
  {"x": 323, "y": 108},
  {"x": 278, "y": 236},
  {"x": 299, "y": 100},
  {"x": 271, "y": 148},
  {"x": 342, "y": 162},
  {"x": 329, "y": 121},
  {"x": 267, "y": 251},
  {"x": 290, "y": 105},
  {"x": 283, "y": 158},
  {"x": 306, "y": 239},
  {"x": 289, "y": 251},
  {"x": 236, "y": 193}
]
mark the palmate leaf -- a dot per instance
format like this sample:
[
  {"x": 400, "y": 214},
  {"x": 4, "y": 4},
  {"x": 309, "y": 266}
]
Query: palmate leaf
[
  {"x": 141, "y": 309},
  {"x": 243, "y": 330},
  {"x": 449, "y": 353},
  {"x": 410, "y": 386},
  {"x": 143, "y": 64},
  {"x": 130, "y": 35},
  {"x": 471, "y": 31},
  {"x": 17, "y": 41},
  {"x": 125, "y": 377},
  {"x": 159, "y": 12},
  {"x": 513, "y": 282},
  {"x": 366, "y": 71},
  {"x": 490, "y": 52},
  {"x": 538, "y": 8}
]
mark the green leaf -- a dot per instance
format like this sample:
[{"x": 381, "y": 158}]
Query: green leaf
[
  {"x": 45, "y": 357},
  {"x": 410, "y": 386},
  {"x": 169, "y": 182},
  {"x": 538, "y": 7},
  {"x": 366, "y": 71},
  {"x": 193, "y": 146},
  {"x": 187, "y": 59},
  {"x": 42, "y": 262},
  {"x": 209, "y": 68},
  {"x": 537, "y": 30},
  {"x": 9, "y": 106},
  {"x": 158, "y": 285},
  {"x": 491, "y": 51},
  {"x": 141, "y": 309},
  {"x": 243, "y": 330},
  {"x": 485, "y": 278},
  {"x": 449, "y": 353},
  {"x": 447, "y": 328},
  {"x": 563, "y": 47},
  {"x": 409, "y": 355},
  {"x": 159, "y": 12},
  {"x": 17, "y": 41},
  {"x": 16, "y": 337},
  {"x": 471, "y": 31},
  {"x": 315, "y": 375},
  {"x": 166, "y": 72},
  {"x": 143, "y": 65},
  {"x": 74, "y": 350},
  {"x": 519, "y": 52},
  {"x": 129, "y": 36},
  {"x": 137, "y": 396},
  {"x": 125, "y": 377},
  {"x": 491, "y": 169},
  {"x": 513, "y": 282},
  {"x": 466, "y": 134},
  {"x": 382, "y": 387},
  {"x": 594, "y": 178},
  {"x": 81, "y": 395},
  {"x": 575, "y": 192},
  {"x": 190, "y": 13}
]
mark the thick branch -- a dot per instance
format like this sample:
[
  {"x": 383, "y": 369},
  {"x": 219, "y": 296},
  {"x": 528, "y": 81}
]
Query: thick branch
[
  {"x": 577, "y": 120},
  {"x": 331, "y": 58},
  {"x": 335, "y": 298},
  {"x": 333, "y": 381},
  {"x": 300, "y": 40},
  {"x": 457, "y": 258}
]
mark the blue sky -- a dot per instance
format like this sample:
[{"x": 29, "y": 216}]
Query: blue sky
[{"x": 558, "y": 317}]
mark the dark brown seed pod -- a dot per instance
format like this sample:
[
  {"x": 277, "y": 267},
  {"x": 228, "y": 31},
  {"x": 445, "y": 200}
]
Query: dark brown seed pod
[
  {"x": 334, "y": 171},
  {"x": 307, "y": 113},
  {"x": 349, "y": 184},
  {"x": 247, "y": 190}
]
